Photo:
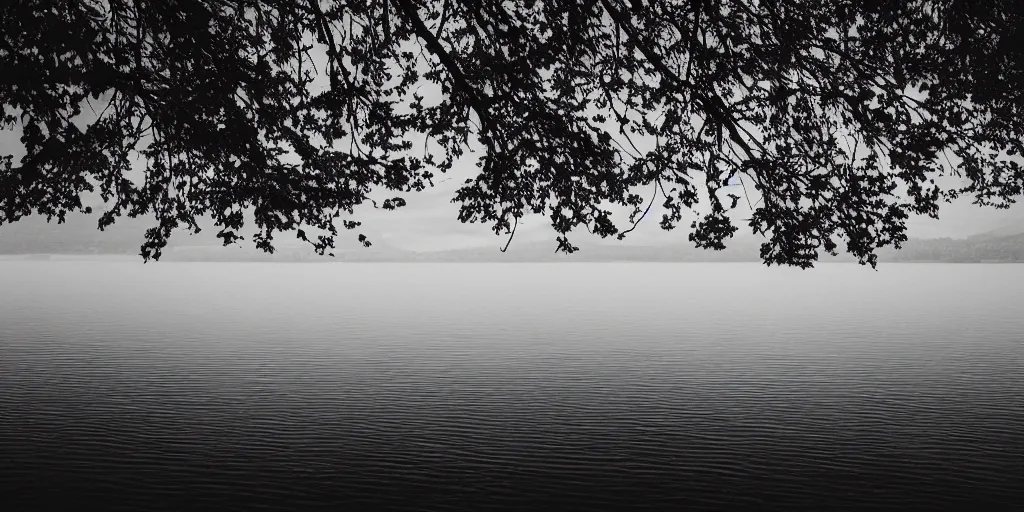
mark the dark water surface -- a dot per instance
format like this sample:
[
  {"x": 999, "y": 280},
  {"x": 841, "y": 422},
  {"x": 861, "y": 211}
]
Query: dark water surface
[{"x": 499, "y": 387}]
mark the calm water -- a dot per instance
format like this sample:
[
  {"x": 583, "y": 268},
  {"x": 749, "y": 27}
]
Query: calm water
[{"x": 479, "y": 387}]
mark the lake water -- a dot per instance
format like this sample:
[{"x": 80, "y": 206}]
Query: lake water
[{"x": 506, "y": 387}]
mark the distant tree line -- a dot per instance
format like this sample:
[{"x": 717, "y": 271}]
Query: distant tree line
[
  {"x": 77, "y": 237},
  {"x": 974, "y": 250}
]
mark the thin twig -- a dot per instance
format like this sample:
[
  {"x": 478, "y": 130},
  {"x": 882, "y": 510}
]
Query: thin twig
[
  {"x": 654, "y": 196},
  {"x": 512, "y": 234}
]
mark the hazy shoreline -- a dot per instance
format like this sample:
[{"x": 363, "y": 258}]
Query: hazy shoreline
[{"x": 327, "y": 260}]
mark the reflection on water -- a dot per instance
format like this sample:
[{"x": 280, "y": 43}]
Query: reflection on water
[{"x": 487, "y": 387}]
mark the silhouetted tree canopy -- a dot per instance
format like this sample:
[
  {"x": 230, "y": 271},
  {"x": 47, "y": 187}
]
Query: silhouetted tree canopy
[{"x": 842, "y": 114}]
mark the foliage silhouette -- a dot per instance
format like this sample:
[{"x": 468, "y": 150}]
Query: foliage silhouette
[{"x": 842, "y": 114}]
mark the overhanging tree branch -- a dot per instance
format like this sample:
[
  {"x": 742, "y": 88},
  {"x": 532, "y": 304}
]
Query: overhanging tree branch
[
  {"x": 712, "y": 104},
  {"x": 459, "y": 80}
]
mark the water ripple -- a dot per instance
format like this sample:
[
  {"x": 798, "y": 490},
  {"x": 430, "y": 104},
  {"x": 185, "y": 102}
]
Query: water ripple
[{"x": 308, "y": 398}]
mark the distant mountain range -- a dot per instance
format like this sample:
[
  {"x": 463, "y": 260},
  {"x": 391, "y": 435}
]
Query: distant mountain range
[{"x": 79, "y": 236}]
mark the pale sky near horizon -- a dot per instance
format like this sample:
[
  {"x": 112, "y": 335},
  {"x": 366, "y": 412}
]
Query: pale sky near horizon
[{"x": 429, "y": 221}]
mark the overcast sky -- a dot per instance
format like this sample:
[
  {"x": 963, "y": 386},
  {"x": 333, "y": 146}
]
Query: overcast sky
[{"x": 429, "y": 221}]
